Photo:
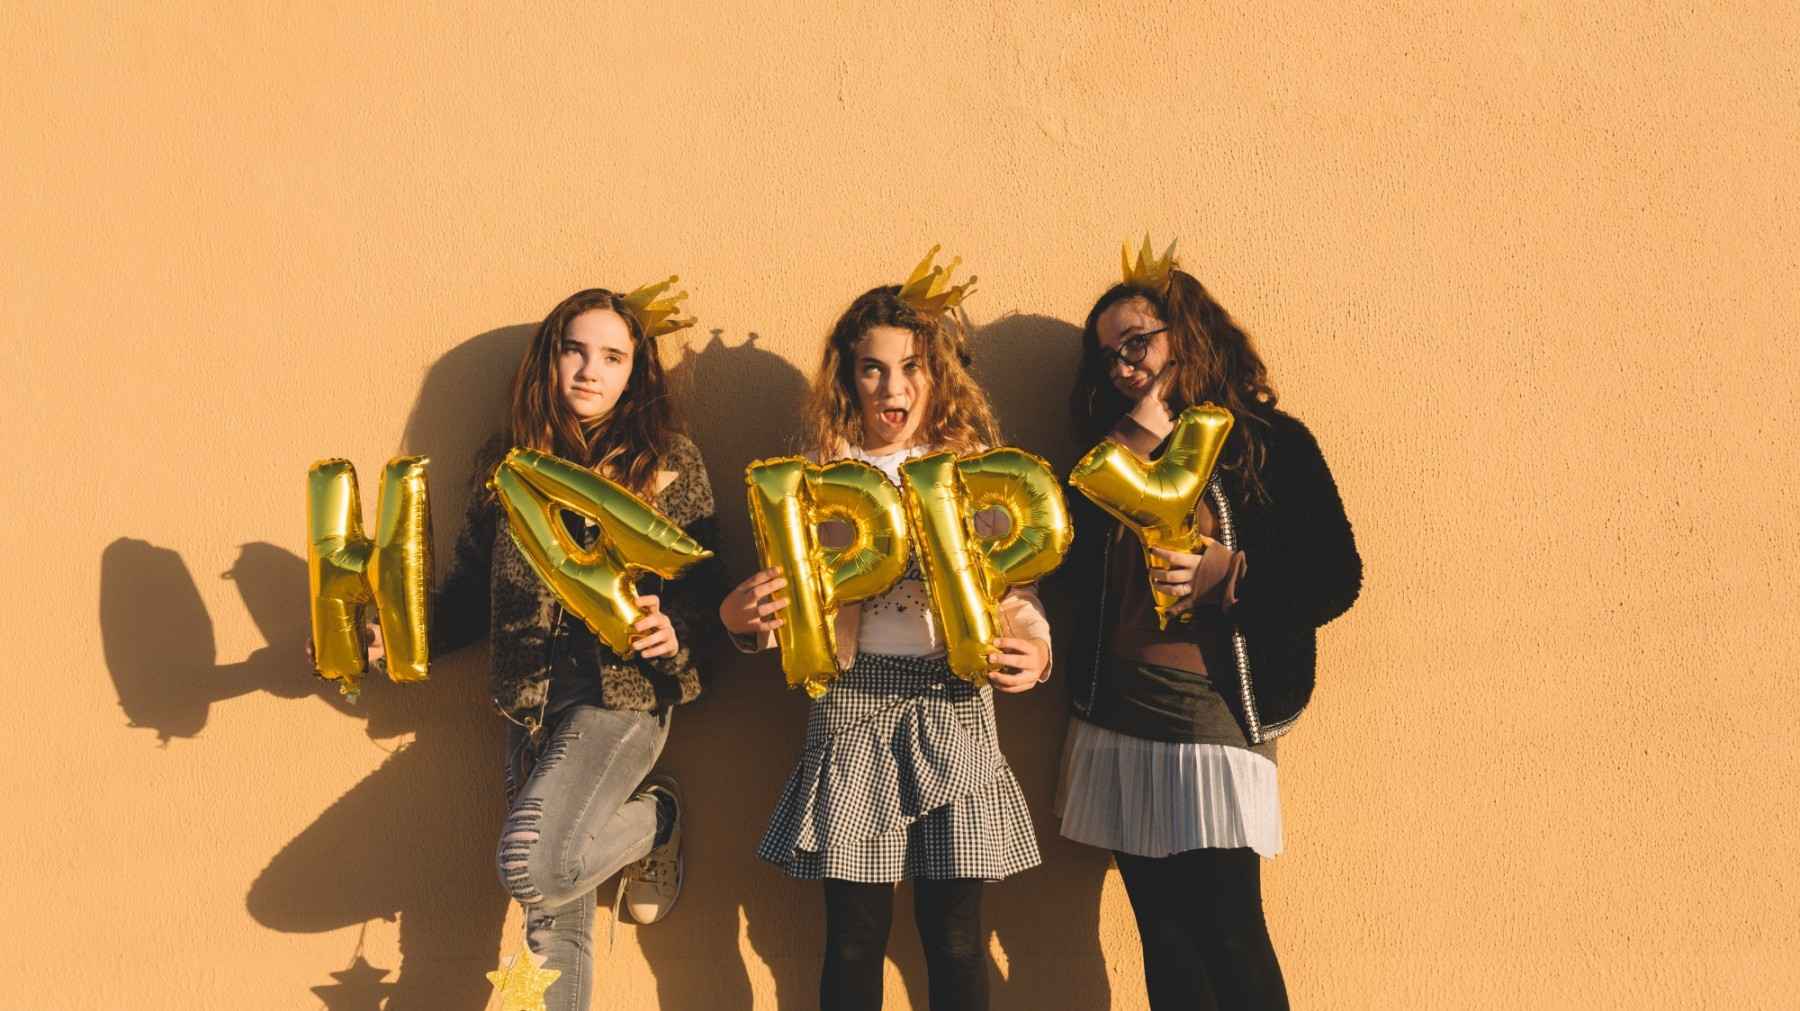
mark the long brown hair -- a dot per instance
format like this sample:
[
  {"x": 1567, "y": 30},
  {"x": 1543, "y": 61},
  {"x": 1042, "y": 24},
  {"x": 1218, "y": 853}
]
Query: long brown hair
[
  {"x": 1211, "y": 359},
  {"x": 626, "y": 443},
  {"x": 957, "y": 416}
]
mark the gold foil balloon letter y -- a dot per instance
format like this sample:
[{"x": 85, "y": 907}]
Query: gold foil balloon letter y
[{"x": 1158, "y": 501}]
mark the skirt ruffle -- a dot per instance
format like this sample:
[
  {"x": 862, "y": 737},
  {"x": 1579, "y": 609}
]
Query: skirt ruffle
[{"x": 901, "y": 778}]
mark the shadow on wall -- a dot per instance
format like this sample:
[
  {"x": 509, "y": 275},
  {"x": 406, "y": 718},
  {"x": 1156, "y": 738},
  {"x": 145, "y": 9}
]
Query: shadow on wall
[
  {"x": 412, "y": 841},
  {"x": 158, "y": 638},
  {"x": 1047, "y": 920},
  {"x": 733, "y": 748},
  {"x": 415, "y": 839}
]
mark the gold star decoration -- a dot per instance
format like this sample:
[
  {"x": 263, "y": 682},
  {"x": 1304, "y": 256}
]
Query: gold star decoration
[
  {"x": 1149, "y": 271},
  {"x": 657, "y": 314},
  {"x": 928, "y": 289},
  {"x": 522, "y": 980}
]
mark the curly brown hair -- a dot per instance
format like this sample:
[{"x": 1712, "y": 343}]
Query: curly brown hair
[
  {"x": 627, "y": 442},
  {"x": 1212, "y": 360},
  {"x": 958, "y": 416}
]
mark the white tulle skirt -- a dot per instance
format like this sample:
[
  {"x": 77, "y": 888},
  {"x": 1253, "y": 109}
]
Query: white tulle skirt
[{"x": 1155, "y": 798}]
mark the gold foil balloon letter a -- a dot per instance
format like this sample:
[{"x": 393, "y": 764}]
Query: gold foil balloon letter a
[
  {"x": 789, "y": 500},
  {"x": 347, "y": 570},
  {"x": 599, "y": 584},
  {"x": 1158, "y": 501},
  {"x": 967, "y": 569}
]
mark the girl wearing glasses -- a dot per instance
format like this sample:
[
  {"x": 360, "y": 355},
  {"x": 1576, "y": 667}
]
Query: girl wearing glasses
[{"x": 1170, "y": 756}]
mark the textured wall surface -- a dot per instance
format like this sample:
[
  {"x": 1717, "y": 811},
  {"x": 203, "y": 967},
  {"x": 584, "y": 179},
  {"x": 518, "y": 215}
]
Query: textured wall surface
[{"x": 1530, "y": 275}]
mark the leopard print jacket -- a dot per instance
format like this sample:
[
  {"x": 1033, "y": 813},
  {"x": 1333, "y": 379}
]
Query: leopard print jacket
[{"x": 492, "y": 591}]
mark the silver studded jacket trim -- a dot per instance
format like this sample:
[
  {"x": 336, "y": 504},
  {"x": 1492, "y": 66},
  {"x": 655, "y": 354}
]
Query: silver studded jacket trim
[{"x": 1240, "y": 647}]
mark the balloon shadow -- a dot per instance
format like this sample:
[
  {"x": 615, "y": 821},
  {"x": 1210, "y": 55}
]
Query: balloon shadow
[
  {"x": 414, "y": 841},
  {"x": 158, "y": 638}
]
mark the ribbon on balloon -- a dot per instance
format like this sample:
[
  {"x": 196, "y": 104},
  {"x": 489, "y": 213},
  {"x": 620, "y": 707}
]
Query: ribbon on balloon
[
  {"x": 597, "y": 584},
  {"x": 790, "y": 499},
  {"x": 348, "y": 570},
  {"x": 1158, "y": 501}
]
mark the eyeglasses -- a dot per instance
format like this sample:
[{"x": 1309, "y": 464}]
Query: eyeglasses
[{"x": 1131, "y": 350}]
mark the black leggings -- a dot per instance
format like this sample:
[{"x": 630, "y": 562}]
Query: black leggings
[
  {"x": 1206, "y": 946},
  {"x": 857, "y": 918}
]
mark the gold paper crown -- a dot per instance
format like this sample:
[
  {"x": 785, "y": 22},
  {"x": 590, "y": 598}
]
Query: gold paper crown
[
  {"x": 657, "y": 315},
  {"x": 929, "y": 290},
  {"x": 1149, "y": 271}
]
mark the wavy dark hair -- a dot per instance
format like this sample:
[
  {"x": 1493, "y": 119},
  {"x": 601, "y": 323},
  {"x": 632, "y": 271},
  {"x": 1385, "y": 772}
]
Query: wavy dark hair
[
  {"x": 627, "y": 442},
  {"x": 957, "y": 416},
  {"x": 1211, "y": 357}
]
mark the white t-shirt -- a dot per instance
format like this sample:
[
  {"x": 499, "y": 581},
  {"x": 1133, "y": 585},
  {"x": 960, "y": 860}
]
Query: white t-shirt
[{"x": 899, "y": 622}]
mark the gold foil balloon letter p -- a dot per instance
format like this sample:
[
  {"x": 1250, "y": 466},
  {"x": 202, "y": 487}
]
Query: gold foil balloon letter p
[
  {"x": 789, "y": 500},
  {"x": 1158, "y": 501},
  {"x": 967, "y": 570},
  {"x": 347, "y": 570},
  {"x": 600, "y": 584}
]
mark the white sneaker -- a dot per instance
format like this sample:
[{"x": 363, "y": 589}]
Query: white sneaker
[{"x": 650, "y": 887}]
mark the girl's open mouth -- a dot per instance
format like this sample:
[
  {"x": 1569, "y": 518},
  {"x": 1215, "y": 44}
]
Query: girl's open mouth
[{"x": 895, "y": 416}]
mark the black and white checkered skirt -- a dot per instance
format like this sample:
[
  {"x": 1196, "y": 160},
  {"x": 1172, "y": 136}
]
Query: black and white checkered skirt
[{"x": 901, "y": 777}]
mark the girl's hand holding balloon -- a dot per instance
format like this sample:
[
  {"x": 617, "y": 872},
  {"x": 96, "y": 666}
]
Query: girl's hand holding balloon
[
  {"x": 653, "y": 635},
  {"x": 373, "y": 647},
  {"x": 1019, "y": 664},
  {"x": 751, "y": 607},
  {"x": 1190, "y": 576}
]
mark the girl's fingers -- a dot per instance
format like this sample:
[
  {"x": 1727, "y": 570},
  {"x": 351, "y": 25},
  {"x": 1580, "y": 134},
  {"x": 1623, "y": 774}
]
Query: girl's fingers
[
  {"x": 1008, "y": 644},
  {"x": 650, "y": 603},
  {"x": 769, "y": 607},
  {"x": 1175, "y": 559},
  {"x": 651, "y": 622},
  {"x": 767, "y": 624},
  {"x": 661, "y": 643},
  {"x": 1012, "y": 683}
]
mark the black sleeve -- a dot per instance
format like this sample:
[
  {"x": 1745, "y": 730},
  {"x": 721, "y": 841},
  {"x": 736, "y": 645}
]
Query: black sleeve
[
  {"x": 1303, "y": 567},
  {"x": 460, "y": 609},
  {"x": 692, "y": 601}
]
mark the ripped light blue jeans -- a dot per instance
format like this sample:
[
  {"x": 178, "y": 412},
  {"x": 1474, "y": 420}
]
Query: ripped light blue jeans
[{"x": 572, "y": 822}]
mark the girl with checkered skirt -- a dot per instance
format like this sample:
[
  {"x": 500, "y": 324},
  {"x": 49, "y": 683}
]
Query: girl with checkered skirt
[{"x": 900, "y": 777}]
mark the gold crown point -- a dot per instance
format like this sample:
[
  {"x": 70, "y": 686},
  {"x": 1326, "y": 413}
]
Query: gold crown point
[
  {"x": 928, "y": 288},
  {"x": 1150, "y": 271},
  {"x": 657, "y": 314},
  {"x": 924, "y": 269}
]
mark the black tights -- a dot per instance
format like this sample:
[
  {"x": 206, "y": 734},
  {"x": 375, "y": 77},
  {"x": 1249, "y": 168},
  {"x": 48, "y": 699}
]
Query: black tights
[
  {"x": 857, "y": 918},
  {"x": 1206, "y": 946}
]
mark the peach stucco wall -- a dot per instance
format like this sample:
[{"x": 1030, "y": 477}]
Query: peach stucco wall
[{"x": 1527, "y": 269}]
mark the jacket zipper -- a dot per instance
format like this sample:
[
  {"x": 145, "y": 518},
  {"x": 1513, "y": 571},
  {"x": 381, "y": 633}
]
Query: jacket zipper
[
  {"x": 1100, "y": 635},
  {"x": 1240, "y": 648}
]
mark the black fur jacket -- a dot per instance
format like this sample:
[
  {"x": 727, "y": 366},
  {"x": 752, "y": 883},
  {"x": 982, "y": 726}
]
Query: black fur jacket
[{"x": 1303, "y": 571}]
